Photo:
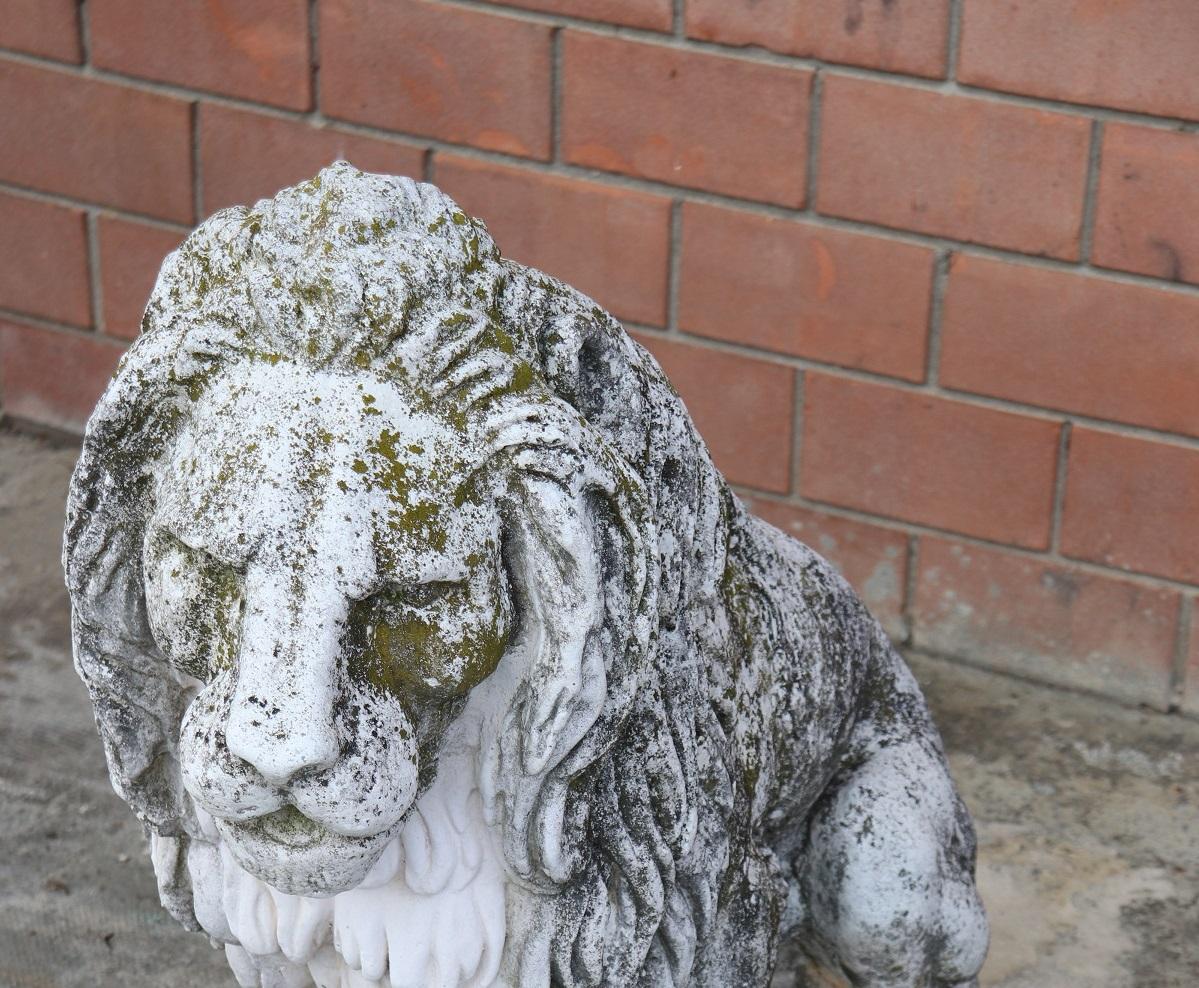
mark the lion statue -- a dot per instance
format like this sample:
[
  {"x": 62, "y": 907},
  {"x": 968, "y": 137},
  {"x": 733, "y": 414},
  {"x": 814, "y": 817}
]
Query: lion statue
[{"x": 432, "y": 650}]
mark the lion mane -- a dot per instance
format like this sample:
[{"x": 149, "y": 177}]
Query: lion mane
[{"x": 609, "y": 775}]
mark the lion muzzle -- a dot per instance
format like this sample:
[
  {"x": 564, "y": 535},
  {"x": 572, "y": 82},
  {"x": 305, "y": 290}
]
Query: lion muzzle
[{"x": 298, "y": 766}]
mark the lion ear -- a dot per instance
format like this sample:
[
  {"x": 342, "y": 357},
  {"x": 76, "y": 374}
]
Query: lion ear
[
  {"x": 556, "y": 572},
  {"x": 581, "y": 554}
]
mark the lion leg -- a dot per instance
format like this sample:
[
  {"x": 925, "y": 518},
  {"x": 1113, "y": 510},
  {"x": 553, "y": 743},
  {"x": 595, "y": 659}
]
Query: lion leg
[{"x": 888, "y": 875}]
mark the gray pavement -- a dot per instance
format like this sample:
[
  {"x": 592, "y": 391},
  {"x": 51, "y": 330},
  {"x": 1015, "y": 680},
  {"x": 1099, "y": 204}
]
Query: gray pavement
[{"x": 1088, "y": 812}]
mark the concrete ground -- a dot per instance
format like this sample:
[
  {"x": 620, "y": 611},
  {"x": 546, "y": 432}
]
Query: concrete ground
[{"x": 1087, "y": 811}]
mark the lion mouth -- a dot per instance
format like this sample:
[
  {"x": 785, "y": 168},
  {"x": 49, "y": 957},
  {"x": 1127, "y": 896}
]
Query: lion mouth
[
  {"x": 298, "y": 855},
  {"x": 290, "y": 828}
]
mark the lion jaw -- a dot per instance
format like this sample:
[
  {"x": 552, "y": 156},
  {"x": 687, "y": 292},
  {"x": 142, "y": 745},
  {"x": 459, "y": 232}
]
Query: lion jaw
[{"x": 430, "y": 912}]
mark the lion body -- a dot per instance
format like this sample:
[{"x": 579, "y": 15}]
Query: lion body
[{"x": 432, "y": 649}]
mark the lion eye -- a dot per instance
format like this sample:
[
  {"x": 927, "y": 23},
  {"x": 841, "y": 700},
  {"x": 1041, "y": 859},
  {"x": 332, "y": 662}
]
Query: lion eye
[{"x": 194, "y": 602}]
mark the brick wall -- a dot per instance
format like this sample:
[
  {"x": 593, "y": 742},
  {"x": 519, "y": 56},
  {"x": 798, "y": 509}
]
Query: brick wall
[{"x": 924, "y": 270}]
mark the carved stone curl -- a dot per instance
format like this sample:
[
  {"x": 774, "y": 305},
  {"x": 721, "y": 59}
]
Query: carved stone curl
[{"x": 432, "y": 650}]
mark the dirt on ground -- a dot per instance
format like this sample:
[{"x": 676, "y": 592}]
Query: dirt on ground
[{"x": 1086, "y": 811}]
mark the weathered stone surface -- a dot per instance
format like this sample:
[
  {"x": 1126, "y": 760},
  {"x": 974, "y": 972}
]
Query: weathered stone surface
[
  {"x": 1057, "y": 771},
  {"x": 431, "y": 649}
]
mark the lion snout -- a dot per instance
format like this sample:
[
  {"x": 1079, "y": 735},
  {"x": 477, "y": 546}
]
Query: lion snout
[
  {"x": 282, "y": 748},
  {"x": 281, "y": 720}
]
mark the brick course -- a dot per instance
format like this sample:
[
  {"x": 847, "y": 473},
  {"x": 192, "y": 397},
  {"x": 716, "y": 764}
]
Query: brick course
[
  {"x": 130, "y": 255},
  {"x": 1022, "y": 615},
  {"x": 91, "y": 140},
  {"x": 245, "y": 156},
  {"x": 1148, "y": 198},
  {"x": 981, "y": 278},
  {"x": 610, "y": 243},
  {"x": 43, "y": 260},
  {"x": 1127, "y": 353},
  {"x": 256, "y": 51},
  {"x": 656, "y": 15},
  {"x": 877, "y": 34},
  {"x": 438, "y": 71},
  {"x": 957, "y": 166},
  {"x": 41, "y": 27},
  {"x": 925, "y": 459},
  {"x": 1131, "y": 56},
  {"x": 658, "y": 112},
  {"x": 799, "y": 289},
  {"x": 53, "y": 377},
  {"x": 1130, "y": 503}
]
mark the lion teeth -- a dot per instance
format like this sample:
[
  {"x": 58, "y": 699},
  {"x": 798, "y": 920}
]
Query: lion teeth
[
  {"x": 286, "y": 909},
  {"x": 326, "y": 968},
  {"x": 492, "y": 924},
  {"x": 295, "y": 926},
  {"x": 353, "y": 979},
  {"x": 408, "y": 933},
  {"x": 245, "y": 970},
  {"x": 374, "y": 955},
  {"x": 314, "y": 925},
  {"x": 345, "y": 941},
  {"x": 360, "y": 929},
  {"x": 205, "y": 870},
  {"x": 231, "y": 874},
  {"x": 442, "y": 856},
  {"x": 385, "y": 869},
  {"x": 280, "y": 973},
  {"x": 458, "y": 958},
  {"x": 249, "y": 908},
  {"x": 430, "y": 914},
  {"x": 255, "y": 926},
  {"x": 417, "y": 849}
]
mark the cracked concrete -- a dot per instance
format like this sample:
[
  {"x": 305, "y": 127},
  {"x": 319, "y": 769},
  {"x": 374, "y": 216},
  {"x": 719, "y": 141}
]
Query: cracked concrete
[{"x": 1087, "y": 811}]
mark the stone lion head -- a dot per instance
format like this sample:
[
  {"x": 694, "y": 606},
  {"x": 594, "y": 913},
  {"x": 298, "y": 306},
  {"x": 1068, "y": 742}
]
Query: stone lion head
[{"x": 366, "y": 551}]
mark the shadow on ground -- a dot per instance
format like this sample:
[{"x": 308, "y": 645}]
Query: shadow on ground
[{"x": 1089, "y": 860}]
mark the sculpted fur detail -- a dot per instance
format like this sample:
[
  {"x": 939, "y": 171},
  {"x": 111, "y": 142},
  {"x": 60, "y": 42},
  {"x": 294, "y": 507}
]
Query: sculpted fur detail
[{"x": 411, "y": 605}]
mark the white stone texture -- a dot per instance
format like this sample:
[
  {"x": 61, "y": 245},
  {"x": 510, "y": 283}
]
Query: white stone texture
[{"x": 432, "y": 650}]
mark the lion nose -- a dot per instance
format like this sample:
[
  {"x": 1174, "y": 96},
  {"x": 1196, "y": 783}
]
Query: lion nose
[
  {"x": 280, "y": 740},
  {"x": 281, "y": 718}
]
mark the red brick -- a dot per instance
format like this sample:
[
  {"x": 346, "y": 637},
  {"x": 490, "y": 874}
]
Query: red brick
[
  {"x": 697, "y": 120},
  {"x": 41, "y": 27},
  {"x": 1133, "y": 56},
  {"x": 130, "y": 256},
  {"x": 955, "y": 166},
  {"x": 457, "y": 75},
  {"x": 53, "y": 377},
  {"x": 657, "y": 15},
  {"x": 1130, "y": 503},
  {"x": 43, "y": 261},
  {"x": 805, "y": 290},
  {"x": 1148, "y": 198},
  {"x": 874, "y": 560},
  {"x": 96, "y": 141},
  {"x": 878, "y": 34},
  {"x": 248, "y": 156},
  {"x": 741, "y": 406},
  {"x": 1055, "y": 623},
  {"x": 610, "y": 243},
  {"x": 256, "y": 50},
  {"x": 920, "y": 458},
  {"x": 1066, "y": 341}
]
